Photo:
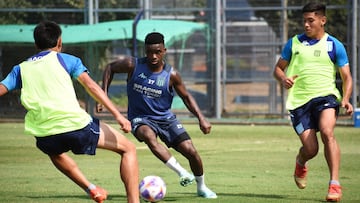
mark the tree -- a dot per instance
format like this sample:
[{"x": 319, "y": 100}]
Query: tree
[
  {"x": 68, "y": 11},
  {"x": 14, "y": 17},
  {"x": 336, "y": 18}
]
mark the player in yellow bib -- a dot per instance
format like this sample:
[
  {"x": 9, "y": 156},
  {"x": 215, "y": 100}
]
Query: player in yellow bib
[
  {"x": 307, "y": 68},
  {"x": 55, "y": 118}
]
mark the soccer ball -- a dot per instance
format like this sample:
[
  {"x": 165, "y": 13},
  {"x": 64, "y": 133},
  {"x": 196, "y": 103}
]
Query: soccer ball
[{"x": 152, "y": 188}]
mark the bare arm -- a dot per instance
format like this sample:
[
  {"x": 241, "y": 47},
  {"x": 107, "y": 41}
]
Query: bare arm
[
  {"x": 99, "y": 95},
  {"x": 122, "y": 65},
  {"x": 189, "y": 101},
  {"x": 279, "y": 74},
  {"x": 347, "y": 84}
]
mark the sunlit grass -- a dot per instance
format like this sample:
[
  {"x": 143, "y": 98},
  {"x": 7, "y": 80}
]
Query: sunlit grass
[{"x": 242, "y": 164}]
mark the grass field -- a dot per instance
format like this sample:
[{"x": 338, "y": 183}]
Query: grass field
[{"x": 242, "y": 164}]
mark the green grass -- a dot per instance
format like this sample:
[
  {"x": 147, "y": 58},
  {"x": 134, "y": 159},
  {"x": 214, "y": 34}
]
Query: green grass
[{"x": 242, "y": 164}]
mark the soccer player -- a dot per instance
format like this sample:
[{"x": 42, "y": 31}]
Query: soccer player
[
  {"x": 151, "y": 85},
  {"x": 307, "y": 68},
  {"x": 56, "y": 119}
]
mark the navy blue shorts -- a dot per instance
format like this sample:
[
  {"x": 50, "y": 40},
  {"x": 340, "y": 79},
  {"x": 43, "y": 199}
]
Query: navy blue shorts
[
  {"x": 307, "y": 116},
  {"x": 170, "y": 131},
  {"x": 83, "y": 141}
]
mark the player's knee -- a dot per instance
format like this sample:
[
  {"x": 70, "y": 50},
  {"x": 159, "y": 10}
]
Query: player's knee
[
  {"x": 149, "y": 139},
  {"x": 327, "y": 137},
  {"x": 192, "y": 151},
  {"x": 129, "y": 150},
  {"x": 131, "y": 147},
  {"x": 311, "y": 152},
  {"x": 153, "y": 144},
  {"x": 188, "y": 149},
  {"x": 147, "y": 136}
]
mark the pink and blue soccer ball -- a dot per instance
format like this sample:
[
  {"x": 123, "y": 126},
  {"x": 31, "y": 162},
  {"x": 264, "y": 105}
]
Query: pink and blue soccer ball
[{"x": 152, "y": 188}]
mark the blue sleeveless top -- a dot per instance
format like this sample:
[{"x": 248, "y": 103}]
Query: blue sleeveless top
[{"x": 149, "y": 94}]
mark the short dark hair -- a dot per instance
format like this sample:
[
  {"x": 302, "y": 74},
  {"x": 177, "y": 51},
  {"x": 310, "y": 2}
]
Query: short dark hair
[
  {"x": 154, "y": 38},
  {"x": 316, "y": 7},
  {"x": 46, "y": 34}
]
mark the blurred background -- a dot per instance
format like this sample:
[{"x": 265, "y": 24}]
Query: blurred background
[{"x": 225, "y": 50}]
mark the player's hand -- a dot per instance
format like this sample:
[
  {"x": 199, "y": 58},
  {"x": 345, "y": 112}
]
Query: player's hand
[
  {"x": 348, "y": 107},
  {"x": 125, "y": 124},
  {"x": 289, "y": 82},
  {"x": 99, "y": 107},
  {"x": 205, "y": 126}
]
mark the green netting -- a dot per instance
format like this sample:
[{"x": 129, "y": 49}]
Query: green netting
[{"x": 172, "y": 30}]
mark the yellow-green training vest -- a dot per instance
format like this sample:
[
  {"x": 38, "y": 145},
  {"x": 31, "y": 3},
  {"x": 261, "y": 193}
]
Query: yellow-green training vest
[
  {"x": 49, "y": 97},
  {"x": 316, "y": 73}
]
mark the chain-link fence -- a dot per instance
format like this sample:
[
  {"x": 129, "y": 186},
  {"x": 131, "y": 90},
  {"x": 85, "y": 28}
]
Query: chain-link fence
[{"x": 227, "y": 67}]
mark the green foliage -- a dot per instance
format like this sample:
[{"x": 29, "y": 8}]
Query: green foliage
[
  {"x": 76, "y": 3},
  {"x": 66, "y": 17},
  {"x": 336, "y": 18},
  {"x": 13, "y": 17},
  {"x": 109, "y": 16}
]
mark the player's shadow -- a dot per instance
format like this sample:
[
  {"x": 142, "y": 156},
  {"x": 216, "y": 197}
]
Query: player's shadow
[
  {"x": 271, "y": 196},
  {"x": 169, "y": 198},
  {"x": 72, "y": 198},
  {"x": 54, "y": 196},
  {"x": 247, "y": 195}
]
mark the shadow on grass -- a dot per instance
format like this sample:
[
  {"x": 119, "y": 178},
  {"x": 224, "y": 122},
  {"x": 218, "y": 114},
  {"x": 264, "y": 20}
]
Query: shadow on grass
[
  {"x": 184, "y": 197},
  {"x": 272, "y": 196},
  {"x": 250, "y": 195},
  {"x": 264, "y": 196},
  {"x": 259, "y": 197},
  {"x": 121, "y": 198}
]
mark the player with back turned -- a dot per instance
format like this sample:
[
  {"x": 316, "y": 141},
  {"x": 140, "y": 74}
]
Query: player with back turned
[
  {"x": 55, "y": 118},
  {"x": 307, "y": 68},
  {"x": 151, "y": 85}
]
